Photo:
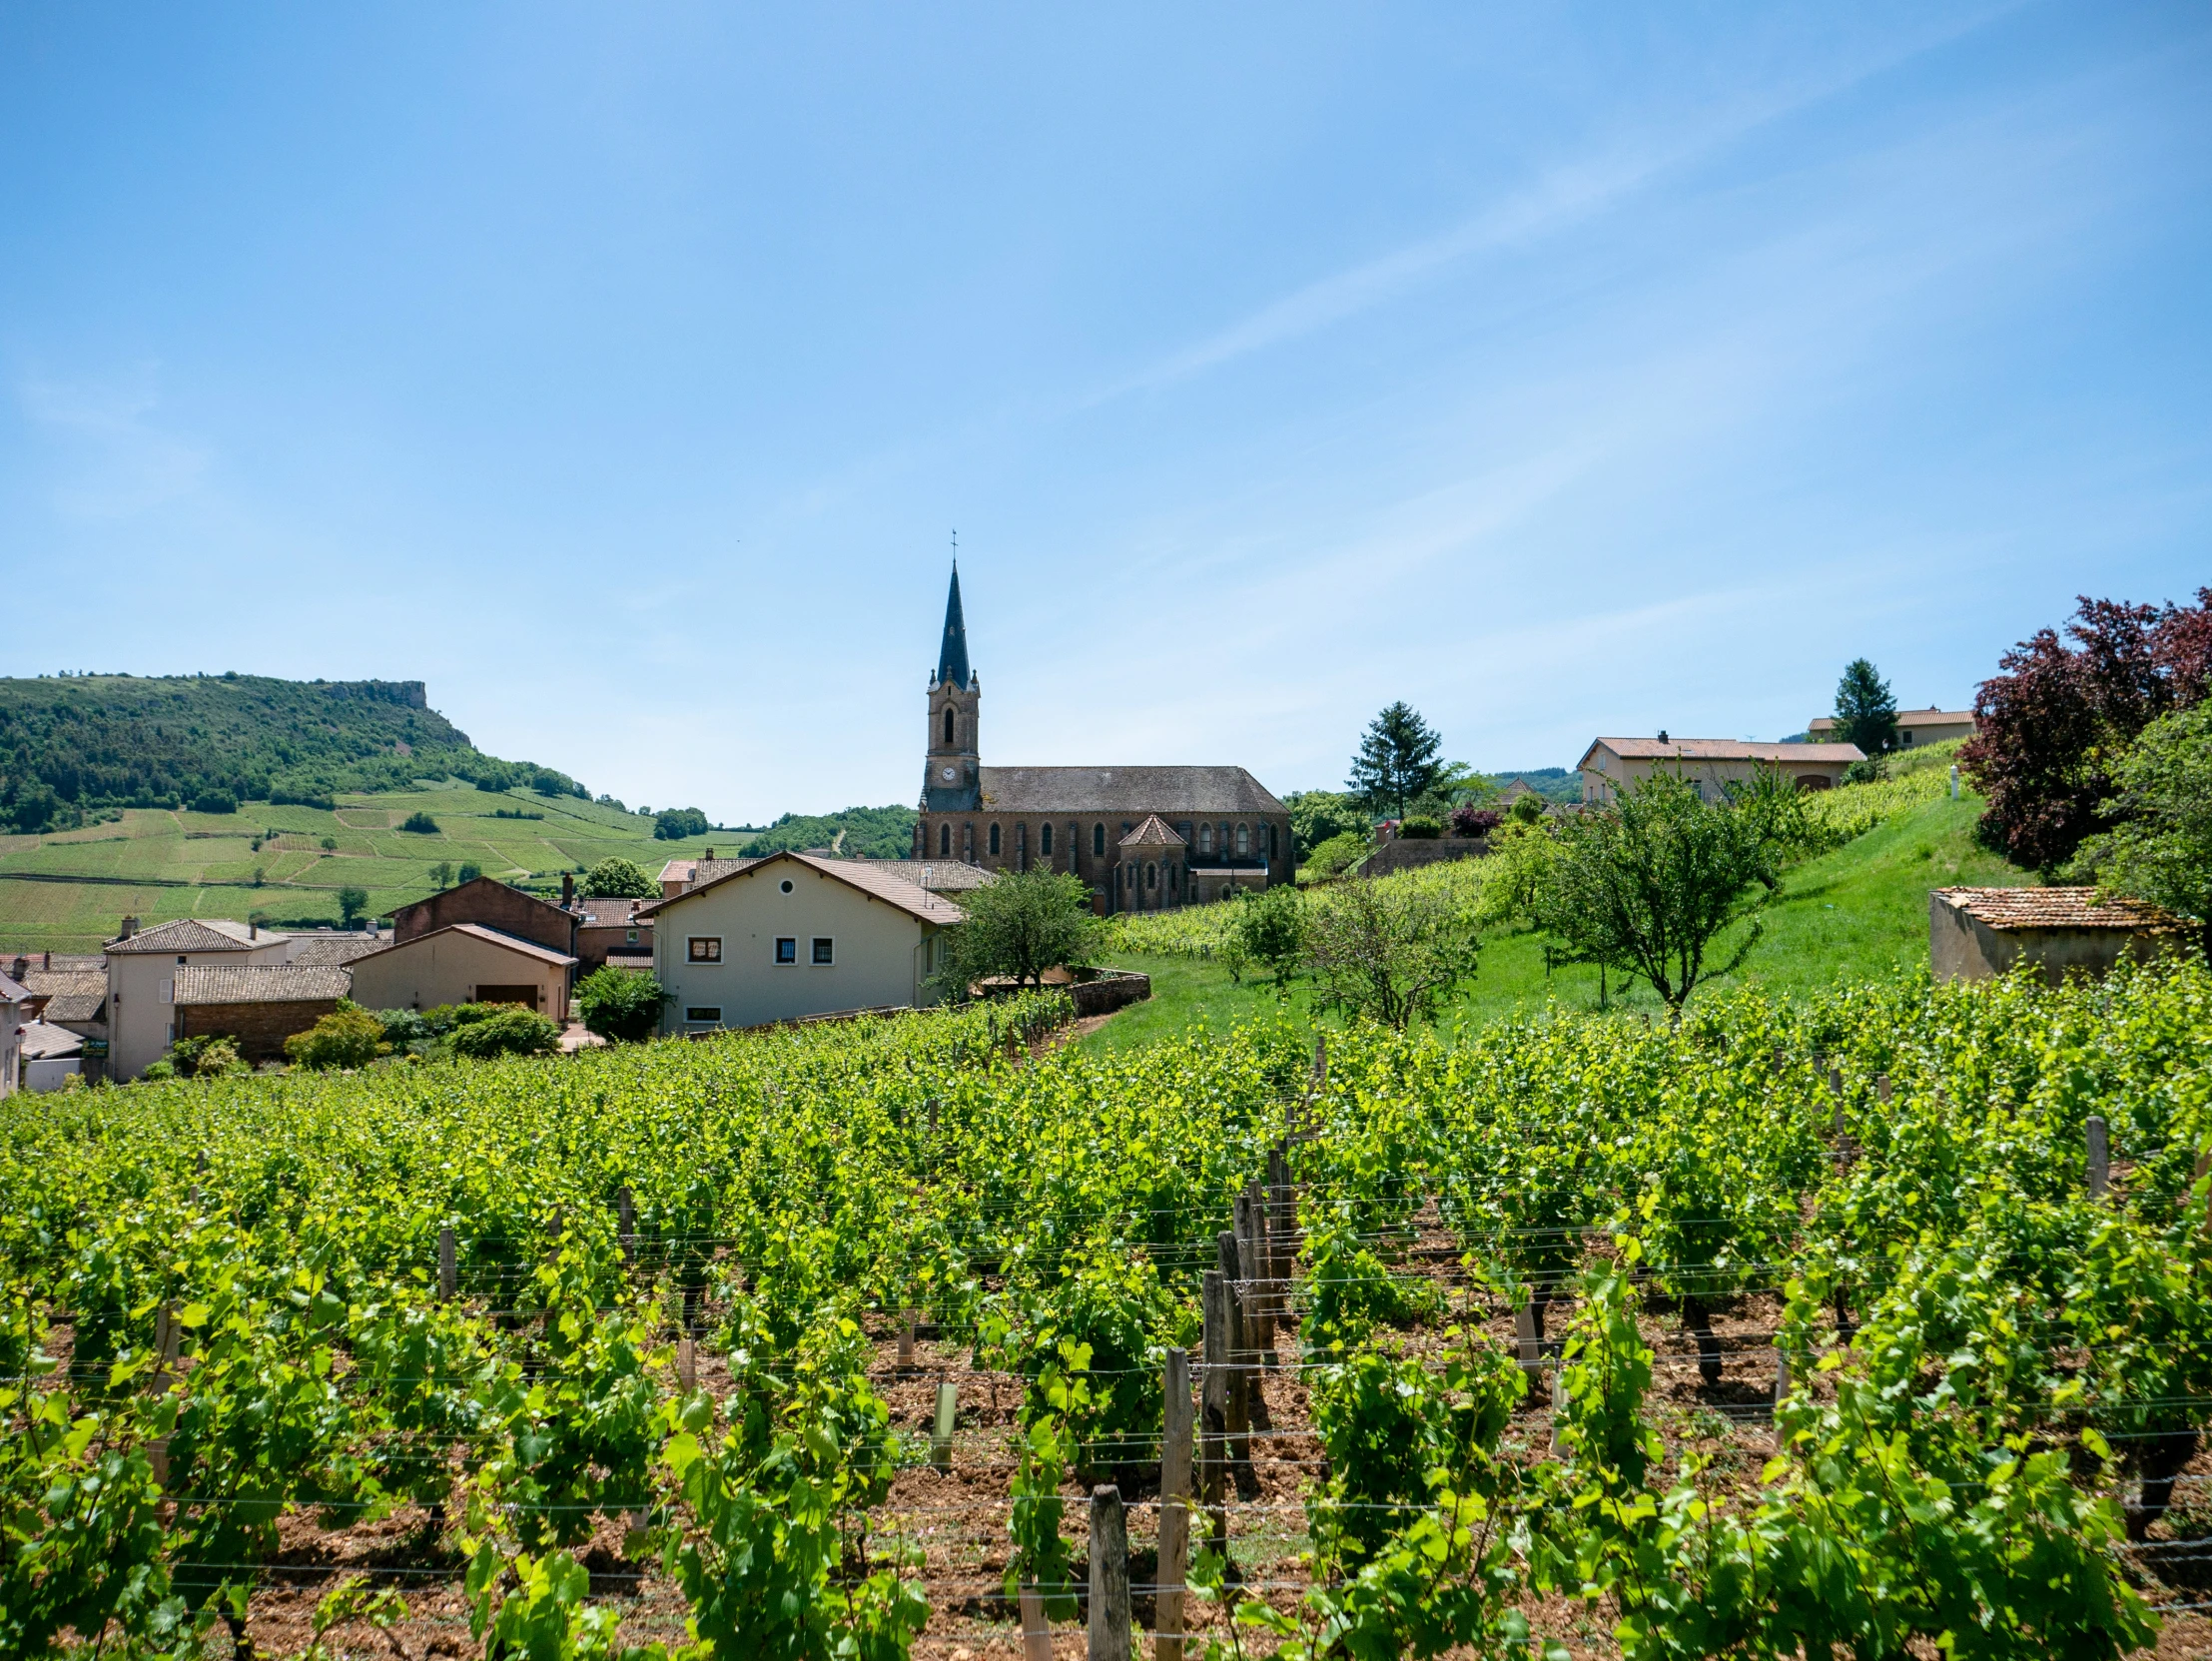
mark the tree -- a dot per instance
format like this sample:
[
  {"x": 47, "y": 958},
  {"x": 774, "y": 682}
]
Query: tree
[
  {"x": 348, "y": 1037},
  {"x": 442, "y": 873},
  {"x": 420, "y": 823},
  {"x": 616, "y": 878},
  {"x": 1019, "y": 925},
  {"x": 2050, "y": 727},
  {"x": 1865, "y": 712},
  {"x": 1388, "y": 950},
  {"x": 1396, "y": 760},
  {"x": 673, "y": 824},
  {"x": 1270, "y": 929},
  {"x": 1647, "y": 884},
  {"x": 620, "y": 1005},
  {"x": 2161, "y": 848},
  {"x": 352, "y": 902},
  {"x": 1317, "y": 815},
  {"x": 469, "y": 872},
  {"x": 1330, "y": 858}
]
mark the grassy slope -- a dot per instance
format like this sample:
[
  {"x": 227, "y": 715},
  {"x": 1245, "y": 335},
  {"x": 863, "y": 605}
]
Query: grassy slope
[
  {"x": 1858, "y": 911},
  {"x": 299, "y": 879}
]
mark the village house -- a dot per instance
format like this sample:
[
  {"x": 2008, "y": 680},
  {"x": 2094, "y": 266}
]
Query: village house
[
  {"x": 257, "y": 1005},
  {"x": 791, "y": 936},
  {"x": 143, "y": 966},
  {"x": 15, "y": 1013},
  {"x": 465, "y": 962},
  {"x": 492, "y": 904},
  {"x": 1712, "y": 764},
  {"x": 1915, "y": 727},
  {"x": 611, "y": 931},
  {"x": 51, "y": 1054},
  {"x": 1224, "y": 831}
]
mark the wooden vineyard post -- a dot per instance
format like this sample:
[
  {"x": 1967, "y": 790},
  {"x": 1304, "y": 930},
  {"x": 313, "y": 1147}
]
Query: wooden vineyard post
[
  {"x": 167, "y": 1343},
  {"x": 1836, "y": 1089},
  {"x": 1239, "y": 1345},
  {"x": 1882, "y": 1087},
  {"x": 905, "y": 1341},
  {"x": 1175, "y": 1507},
  {"x": 1213, "y": 1388},
  {"x": 449, "y": 1265},
  {"x": 1036, "y": 1631},
  {"x": 1109, "y": 1576},
  {"x": 2100, "y": 1157},
  {"x": 940, "y": 1433},
  {"x": 688, "y": 1365},
  {"x": 1781, "y": 1375},
  {"x": 626, "y": 1213},
  {"x": 1524, "y": 1332}
]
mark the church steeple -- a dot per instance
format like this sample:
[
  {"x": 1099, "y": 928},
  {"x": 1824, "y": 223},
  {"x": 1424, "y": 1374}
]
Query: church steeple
[{"x": 951, "y": 658}]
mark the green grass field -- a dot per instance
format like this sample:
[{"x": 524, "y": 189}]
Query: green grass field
[
  {"x": 1858, "y": 911},
  {"x": 157, "y": 865}
]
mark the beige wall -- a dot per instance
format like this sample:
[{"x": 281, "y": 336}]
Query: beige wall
[
  {"x": 142, "y": 992},
  {"x": 1606, "y": 772},
  {"x": 1963, "y": 948},
  {"x": 437, "y": 969},
  {"x": 879, "y": 952}
]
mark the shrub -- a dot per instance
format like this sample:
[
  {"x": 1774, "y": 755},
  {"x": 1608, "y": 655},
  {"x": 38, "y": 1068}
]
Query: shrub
[
  {"x": 208, "y": 1056},
  {"x": 469, "y": 872},
  {"x": 616, "y": 878},
  {"x": 1420, "y": 828},
  {"x": 1332, "y": 856},
  {"x": 421, "y": 823},
  {"x": 512, "y": 1031},
  {"x": 352, "y": 902},
  {"x": 673, "y": 824},
  {"x": 213, "y": 800},
  {"x": 1270, "y": 929},
  {"x": 1469, "y": 820},
  {"x": 329, "y": 844},
  {"x": 348, "y": 1037},
  {"x": 620, "y": 1003}
]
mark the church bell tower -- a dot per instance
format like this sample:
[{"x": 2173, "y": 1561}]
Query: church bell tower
[{"x": 952, "y": 780}]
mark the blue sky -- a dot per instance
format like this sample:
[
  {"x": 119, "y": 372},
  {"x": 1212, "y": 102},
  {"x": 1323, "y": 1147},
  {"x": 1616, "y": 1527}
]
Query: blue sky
[{"x": 623, "y": 373}]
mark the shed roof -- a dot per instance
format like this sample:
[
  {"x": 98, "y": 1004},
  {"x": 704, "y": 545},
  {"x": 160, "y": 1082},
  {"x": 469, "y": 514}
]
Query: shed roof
[
  {"x": 868, "y": 875},
  {"x": 609, "y": 913},
  {"x": 1194, "y": 790},
  {"x": 262, "y": 982},
  {"x": 2058, "y": 908},
  {"x": 480, "y": 931},
  {"x": 12, "y": 992},
  {"x": 42, "y": 1041},
  {"x": 78, "y": 1005},
  {"x": 198, "y": 934},
  {"x": 327, "y": 951},
  {"x": 1721, "y": 749}
]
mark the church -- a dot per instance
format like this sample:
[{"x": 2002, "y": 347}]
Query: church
[{"x": 1143, "y": 838}]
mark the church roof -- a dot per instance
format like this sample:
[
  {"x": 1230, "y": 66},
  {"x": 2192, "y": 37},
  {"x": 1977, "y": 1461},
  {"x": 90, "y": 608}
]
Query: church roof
[
  {"x": 1153, "y": 833},
  {"x": 1124, "y": 791},
  {"x": 952, "y": 657}
]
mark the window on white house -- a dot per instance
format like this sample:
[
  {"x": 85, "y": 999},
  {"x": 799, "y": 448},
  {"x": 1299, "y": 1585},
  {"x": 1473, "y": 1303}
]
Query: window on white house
[
  {"x": 825, "y": 952},
  {"x": 787, "y": 949},
  {"x": 703, "y": 948}
]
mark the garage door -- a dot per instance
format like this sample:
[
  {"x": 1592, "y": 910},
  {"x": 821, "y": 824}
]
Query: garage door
[{"x": 524, "y": 995}]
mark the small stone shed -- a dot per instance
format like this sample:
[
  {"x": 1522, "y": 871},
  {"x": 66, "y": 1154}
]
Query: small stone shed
[
  {"x": 259, "y": 1004},
  {"x": 1973, "y": 933}
]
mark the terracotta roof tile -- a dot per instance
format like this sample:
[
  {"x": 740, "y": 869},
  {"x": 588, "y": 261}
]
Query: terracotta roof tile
[
  {"x": 1114, "y": 791},
  {"x": 269, "y": 983},
  {"x": 325, "y": 951},
  {"x": 196, "y": 933},
  {"x": 1724, "y": 749},
  {"x": 2057, "y": 908},
  {"x": 1153, "y": 833}
]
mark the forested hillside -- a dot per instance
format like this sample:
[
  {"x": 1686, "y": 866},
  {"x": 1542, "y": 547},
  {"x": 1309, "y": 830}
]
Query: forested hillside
[
  {"x": 76, "y": 744},
  {"x": 869, "y": 833}
]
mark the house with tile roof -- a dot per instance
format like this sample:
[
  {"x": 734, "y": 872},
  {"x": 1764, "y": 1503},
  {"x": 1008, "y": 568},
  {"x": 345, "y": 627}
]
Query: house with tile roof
[
  {"x": 1917, "y": 728},
  {"x": 257, "y": 1005},
  {"x": 793, "y": 936},
  {"x": 15, "y": 1013},
  {"x": 1974, "y": 933},
  {"x": 141, "y": 970},
  {"x": 465, "y": 962},
  {"x": 1078, "y": 819},
  {"x": 1712, "y": 764}
]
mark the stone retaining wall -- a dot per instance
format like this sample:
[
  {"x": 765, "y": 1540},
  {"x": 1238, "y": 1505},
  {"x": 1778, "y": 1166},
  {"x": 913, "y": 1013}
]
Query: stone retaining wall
[{"x": 1407, "y": 853}]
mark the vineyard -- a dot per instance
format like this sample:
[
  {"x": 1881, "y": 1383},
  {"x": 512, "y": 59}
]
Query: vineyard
[{"x": 1875, "y": 1325}]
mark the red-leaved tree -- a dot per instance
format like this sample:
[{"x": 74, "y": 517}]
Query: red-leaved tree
[{"x": 2049, "y": 728}]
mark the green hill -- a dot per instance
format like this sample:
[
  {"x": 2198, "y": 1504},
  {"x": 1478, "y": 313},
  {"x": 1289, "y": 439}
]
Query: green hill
[
  {"x": 1850, "y": 914},
  {"x": 76, "y": 747}
]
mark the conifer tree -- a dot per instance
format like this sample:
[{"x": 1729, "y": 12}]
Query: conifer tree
[{"x": 1397, "y": 761}]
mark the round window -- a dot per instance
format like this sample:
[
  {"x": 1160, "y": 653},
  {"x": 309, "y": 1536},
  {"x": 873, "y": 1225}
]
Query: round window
[{"x": 787, "y": 885}]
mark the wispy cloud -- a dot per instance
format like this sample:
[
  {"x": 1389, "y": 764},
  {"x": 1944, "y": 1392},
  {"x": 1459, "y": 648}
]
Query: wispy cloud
[
  {"x": 121, "y": 463},
  {"x": 1564, "y": 196}
]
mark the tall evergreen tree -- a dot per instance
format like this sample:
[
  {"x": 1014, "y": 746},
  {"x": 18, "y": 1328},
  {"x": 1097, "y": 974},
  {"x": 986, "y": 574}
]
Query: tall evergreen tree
[
  {"x": 1397, "y": 761},
  {"x": 1865, "y": 712}
]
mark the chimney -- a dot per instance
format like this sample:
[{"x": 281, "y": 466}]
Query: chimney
[
  {"x": 46, "y": 961},
  {"x": 567, "y": 889},
  {"x": 1662, "y": 735},
  {"x": 710, "y": 853},
  {"x": 253, "y": 930},
  {"x": 130, "y": 927}
]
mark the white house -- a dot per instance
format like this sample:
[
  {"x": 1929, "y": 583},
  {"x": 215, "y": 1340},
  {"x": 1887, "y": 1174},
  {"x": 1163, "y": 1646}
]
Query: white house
[
  {"x": 1712, "y": 764},
  {"x": 794, "y": 935},
  {"x": 1915, "y": 726},
  {"x": 15, "y": 1013},
  {"x": 141, "y": 980}
]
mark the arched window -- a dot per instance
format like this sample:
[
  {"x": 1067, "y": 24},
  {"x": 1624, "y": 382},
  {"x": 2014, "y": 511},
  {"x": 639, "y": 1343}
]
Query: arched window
[
  {"x": 1044, "y": 840},
  {"x": 993, "y": 839},
  {"x": 1206, "y": 839},
  {"x": 948, "y": 726},
  {"x": 1151, "y": 876},
  {"x": 944, "y": 841},
  {"x": 1097, "y": 841},
  {"x": 1243, "y": 840}
]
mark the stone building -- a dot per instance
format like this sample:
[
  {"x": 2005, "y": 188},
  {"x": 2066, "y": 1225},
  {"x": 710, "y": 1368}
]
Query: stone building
[
  {"x": 1143, "y": 838},
  {"x": 1974, "y": 933}
]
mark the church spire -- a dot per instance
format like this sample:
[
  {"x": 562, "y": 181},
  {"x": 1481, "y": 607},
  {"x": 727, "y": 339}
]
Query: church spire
[{"x": 952, "y": 660}]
